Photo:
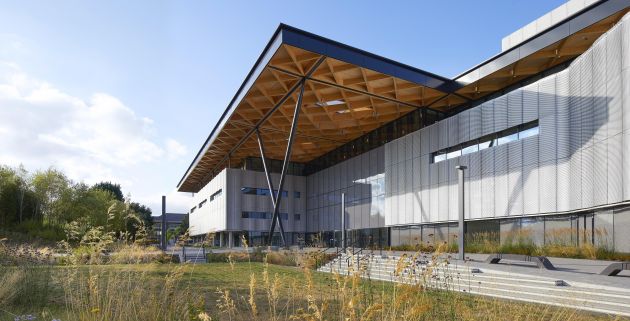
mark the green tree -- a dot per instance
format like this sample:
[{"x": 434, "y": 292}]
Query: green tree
[{"x": 113, "y": 188}]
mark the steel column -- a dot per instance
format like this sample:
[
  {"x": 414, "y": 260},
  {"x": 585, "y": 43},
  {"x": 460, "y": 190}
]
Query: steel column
[
  {"x": 285, "y": 165},
  {"x": 163, "y": 226},
  {"x": 261, "y": 146}
]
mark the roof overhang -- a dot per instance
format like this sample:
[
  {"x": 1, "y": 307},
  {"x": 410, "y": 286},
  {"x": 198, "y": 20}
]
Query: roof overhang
[{"x": 350, "y": 92}]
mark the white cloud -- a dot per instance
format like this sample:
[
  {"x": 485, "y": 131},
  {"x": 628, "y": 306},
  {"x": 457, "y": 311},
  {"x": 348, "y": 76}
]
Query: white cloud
[
  {"x": 91, "y": 140},
  {"x": 174, "y": 149},
  {"x": 176, "y": 202}
]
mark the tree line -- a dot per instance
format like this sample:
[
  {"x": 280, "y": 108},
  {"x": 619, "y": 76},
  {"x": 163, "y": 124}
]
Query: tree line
[{"x": 49, "y": 205}]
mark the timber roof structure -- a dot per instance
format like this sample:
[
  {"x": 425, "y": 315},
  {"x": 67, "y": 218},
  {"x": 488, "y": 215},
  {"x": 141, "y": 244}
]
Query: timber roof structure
[{"x": 349, "y": 92}]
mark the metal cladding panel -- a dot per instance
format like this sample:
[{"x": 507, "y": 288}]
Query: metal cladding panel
[
  {"x": 600, "y": 176},
  {"x": 563, "y": 177},
  {"x": 408, "y": 146},
  {"x": 356, "y": 163},
  {"x": 576, "y": 180},
  {"x": 600, "y": 101},
  {"x": 464, "y": 126},
  {"x": 487, "y": 118},
  {"x": 615, "y": 113},
  {"x": 380, "y": 159},
  {"x": 425, "y": 205},
  {"x": 453, "y": 130},
  {"x": 587, "y": 177},
  {"x": 475, "y": 197},
  {"x": 530, "y": 102},
  {"x": 515, "y": 191},
  {"x": 563, "y": 135},
  {"x": 417, "y": 141},
  {"x": 425, "y": 180},
  {"x": 586, "y": 98},
  {"x": 443, "y": 134},
  {"x": 388, "y": 154},
  {"x": 530, "y": 150},
  {"x": 337, "y": 177},
  {"x": 443, "y": 172},
  {"x": 474, "y": 161},
  {"x": 434, "y": 203},
  {"x": 614, "y": 81},
  {"x": 365, "y": 165},
  {"x": 515, "y": 108},
  {"x": 475, "y": 122},
  {"x": 487, "y": 161},
  {"x": 388, "y": 209},
  {"x": 453, "y": 189},
  {"x": 625, "y": 43},
  {"x": 487, "y": 196},
  {"x": 500, "y": 158},
  {"x": 466, "y": 196},
  {"x": 501, "y": 193},
  {"x": 417, "y": 205},
  {"x": 394, "y": 152},
  {"x": 434, "y": 171},
  {"x": 626, "y": 95},
  {"x": 401, "y": 178},
  {"x": 575, "y": 113},
  {"x": 443, "y": 202},
  {"x": 515, "y": 154},
  {"x": 500, "y": 113},
  {"x": 373, "y": 158},
  {"x": 453, "y": 194},
  {"x": 530, "y": 190},
  {"x": 408, "y": 191},
  {"x": 548, "y": 186},
  {"x": 434, "y": 136},
  {"x": 547, "y": 121},
  {"x": 425, "y": 141},
  {"x": 394, "y": 179},
  {"x": 626, "y": 163},
  {"x": 416, "y": 172},
  {"x": 615, "y": 171}
]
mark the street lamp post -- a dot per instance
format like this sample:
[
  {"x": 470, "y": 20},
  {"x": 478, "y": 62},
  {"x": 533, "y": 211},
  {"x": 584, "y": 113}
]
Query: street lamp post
[{"x": 460, "y": 237}]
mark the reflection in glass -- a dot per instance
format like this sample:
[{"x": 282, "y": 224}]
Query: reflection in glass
[
  {"x": 528, "y": 132},
  {"x": 508, "y": 139}
]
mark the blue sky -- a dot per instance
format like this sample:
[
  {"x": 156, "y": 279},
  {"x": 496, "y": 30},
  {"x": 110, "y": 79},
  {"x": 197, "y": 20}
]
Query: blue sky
[{"x": 129, "y": 90}]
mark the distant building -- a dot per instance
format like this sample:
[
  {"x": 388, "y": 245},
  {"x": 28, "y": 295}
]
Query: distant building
[{"x": 173, "y": 220}]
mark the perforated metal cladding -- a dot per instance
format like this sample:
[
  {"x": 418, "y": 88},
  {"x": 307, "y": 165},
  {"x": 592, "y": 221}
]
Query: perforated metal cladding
[{"x": 577, "y": 161}]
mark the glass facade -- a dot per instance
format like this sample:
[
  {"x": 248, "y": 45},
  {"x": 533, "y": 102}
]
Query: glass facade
[
  {"x": 262, "y": 215},
  {"x": 261, "y": 191}
]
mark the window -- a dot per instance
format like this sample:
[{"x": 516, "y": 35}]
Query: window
[
  {"x": 296, "y": 195},
  {"x": 296, "y": 217},
  {"x": 503, "y": 137},
  {"x": 215, "y": 195},
  {"x": 262, "y": 215},
  {"x": 202, "y": 203},
  {"x": 261, "y": 191}
]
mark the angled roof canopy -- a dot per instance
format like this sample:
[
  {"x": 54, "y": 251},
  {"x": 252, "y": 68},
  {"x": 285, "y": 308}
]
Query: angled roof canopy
[{"x": 349, "y": 92}]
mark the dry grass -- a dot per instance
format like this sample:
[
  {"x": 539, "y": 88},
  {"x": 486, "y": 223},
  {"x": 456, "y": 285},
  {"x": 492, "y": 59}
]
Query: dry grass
[{"x": 248, "y": 291}]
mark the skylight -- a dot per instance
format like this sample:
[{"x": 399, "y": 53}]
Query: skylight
[{"x": 330, "y": 103}]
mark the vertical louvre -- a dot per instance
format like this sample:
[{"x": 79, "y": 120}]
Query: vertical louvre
[
  {"x": 425, "y": 204},
  {"x": 547, "y": 190},
  {"x": 425, "y": 141},
  {"x": 515, "y": 191},
  {"x": 586, "y": 98},
  {"x": 487, "y": 196},
  {"x": 475, "y": 197},
  {"x": 615, "y": 171},
  {"x": 613, "y": 81},
  {"x": 464, "y": 126},
  {"x": 501, "y": 193},
  {"x": 562, "y": 115},
  {"x": 500, "y": 113},
  {"x": 487, "y": 118},
  {"x": 587, "y": 177},
  {"x": 416, "y": 150},
  {"x": 515, "y": 154},
  {"x": 453, "y": 190},
  {"x": 515, "y": 108},
  {"x": 475, "y": 122},
  {"x": 575, "y": 113},
  {"x": 443, "y": 134},
  {"x": 434, "y": 136},
  {"x": 408, "y": 146},
  {"x": 563, "y": 184},
  {"x": 408, "y": 191},
  {"x": 453, "y": 130},
  {"x": 600, "y": 176},
  {"x": 416, "y": 172},
  {"x": 576, "y": 180},
  {"x": 424, "y": 171},
  {"x": 547, "y": 120},
  {"x": 600, "y": 101},
  {"x": 434, "y": 203},
  {"x": 626, "y": 164},
  {"x": 530, "y": 189},
  {"x": 443, "y": 201},
  {"x": 530, "y": 103}
]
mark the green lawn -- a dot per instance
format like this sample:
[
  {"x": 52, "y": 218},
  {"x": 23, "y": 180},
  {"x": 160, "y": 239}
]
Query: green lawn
[{"x": 181, "y": 292}]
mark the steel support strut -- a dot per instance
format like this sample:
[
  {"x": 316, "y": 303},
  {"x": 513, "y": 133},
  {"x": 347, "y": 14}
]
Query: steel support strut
[
  {"x": 285, "y": 166},
  {"x": 261, "y": 146}
]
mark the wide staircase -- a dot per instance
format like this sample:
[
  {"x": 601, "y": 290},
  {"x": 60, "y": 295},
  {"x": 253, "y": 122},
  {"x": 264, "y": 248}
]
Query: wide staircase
[
  {"x": 440, "y": 274},
  {"x": 192, "y": 255}
]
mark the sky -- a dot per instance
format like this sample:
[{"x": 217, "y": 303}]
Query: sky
[{"x": 128, "y": 91}]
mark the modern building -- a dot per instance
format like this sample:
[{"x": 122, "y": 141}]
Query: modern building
[
  {"x": 543, "y": 128},
  {"x": 173, "y": 221}
]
